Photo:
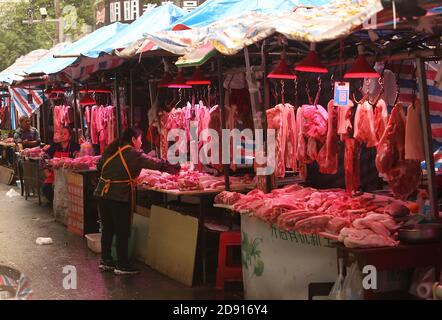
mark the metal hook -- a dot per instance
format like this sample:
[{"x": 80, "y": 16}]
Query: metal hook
[
  {"x": 319, "y": 91},
  {"x": 308, "y": 94},
  {"x": 180, "y": 94},
  {"x": 282, "y": 92},
  {"x": 381, "y": 82}
]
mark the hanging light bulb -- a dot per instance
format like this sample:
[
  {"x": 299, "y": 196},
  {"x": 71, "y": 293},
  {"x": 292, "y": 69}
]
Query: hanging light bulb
[
  {"x": 179, "y": 82},
  {"x": 311, "y": 62},
  {"x": 282, "y": 70},
  {"x": 361, "y": 68},
  {"x": 87, "y": 100},
  {"x": 198, "y": 78}
]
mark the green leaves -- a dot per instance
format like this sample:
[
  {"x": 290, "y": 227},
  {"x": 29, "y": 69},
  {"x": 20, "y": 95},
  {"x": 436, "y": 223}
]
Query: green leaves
[
  {"x": 251, "y": 255},
  {"x": 18, "y": 39}
]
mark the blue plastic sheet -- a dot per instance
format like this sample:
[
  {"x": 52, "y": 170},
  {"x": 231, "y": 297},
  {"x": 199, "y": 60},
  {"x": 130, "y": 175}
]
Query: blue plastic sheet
[
  {"x": 159, "y": 18},
  {"x": 213, "y": 10},
  {"x": 51, "y": 65}
]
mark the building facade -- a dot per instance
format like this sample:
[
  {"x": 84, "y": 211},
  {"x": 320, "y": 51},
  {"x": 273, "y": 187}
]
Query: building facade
[{"x": 126, "y": 11}]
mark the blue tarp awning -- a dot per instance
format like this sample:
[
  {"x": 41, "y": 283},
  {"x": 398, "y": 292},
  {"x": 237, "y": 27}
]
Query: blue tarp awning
[
  {"x": 213, "y": 10},
  {"x": 51, "y": 65},
  {"x": 156, "y": 19}
]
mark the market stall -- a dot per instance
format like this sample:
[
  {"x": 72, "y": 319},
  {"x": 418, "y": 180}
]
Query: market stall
[
  {"x": 348, "y": 139},
  {"x": 318, "y": 131}
]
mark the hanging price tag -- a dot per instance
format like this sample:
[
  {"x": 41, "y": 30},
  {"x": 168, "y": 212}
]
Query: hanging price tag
[{"x": 342, "y": 94}]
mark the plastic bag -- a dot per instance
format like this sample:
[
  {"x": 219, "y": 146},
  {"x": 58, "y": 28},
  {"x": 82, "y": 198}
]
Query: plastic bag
[
  {"x": 423, "y": 281},
  {"x": 42, "y": 241},
  {"x": 336, "y": 292},
  {"x": 12, "y": 193},
  {"x": 352, "y": 287}
]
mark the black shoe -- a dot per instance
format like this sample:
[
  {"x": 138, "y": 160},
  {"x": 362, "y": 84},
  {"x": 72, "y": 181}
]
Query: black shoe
[
  {"x": 126, "y": 270},
  {"x": 107, "y": 266}
]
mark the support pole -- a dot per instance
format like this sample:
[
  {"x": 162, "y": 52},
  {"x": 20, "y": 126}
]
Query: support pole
[
  {"x": 43, "y": 117},
  {"x": 131, "y": 95},
  {"x": 223, "y": 118},
  {"x": 266, "y": 104},
  {"x": 75, "y": 113},
  {"x": 118, "y": 107},
  {"x": 428, "y": 138}
]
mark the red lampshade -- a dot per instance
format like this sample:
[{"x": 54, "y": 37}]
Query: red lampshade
[
  {"x": 180, "y": 27},
  {"x": 282, "y": 71},
  {"x": 165, "y": 81},
  {"x": 52, "y": 96},
  {"x": 198, "y": 78},
  {"x": 311, "y": 63},
  {"x": 54, "y": 92},
  {"x": 97, "y": 90},
  {"x": 361, "y": 69},
  {"x": 179, "y": 82},
  {"x": 87, "y": 100}
]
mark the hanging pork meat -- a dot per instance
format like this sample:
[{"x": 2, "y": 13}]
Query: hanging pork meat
[
  {"x": 282, "y": 119},
  {"x": 328, "y": 163},
  {"x": 292, "y": 137},
  {"x": 380, "y": 119},
  {"x": 414, "y": 142},
  {"x": 402, "y": 175},
  {"x": 352, "y": 159},
  {"x": 364, "y": 125}
]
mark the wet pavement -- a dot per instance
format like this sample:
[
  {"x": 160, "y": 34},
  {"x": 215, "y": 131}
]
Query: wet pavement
[{"x": 22, "y": 222}]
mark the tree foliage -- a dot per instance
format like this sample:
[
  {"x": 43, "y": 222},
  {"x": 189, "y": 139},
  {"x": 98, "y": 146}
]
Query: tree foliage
[{"x": 18, "y": 38}]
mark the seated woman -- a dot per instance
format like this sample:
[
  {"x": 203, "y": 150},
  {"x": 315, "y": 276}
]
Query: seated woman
[{"x": 66, "y": 148}]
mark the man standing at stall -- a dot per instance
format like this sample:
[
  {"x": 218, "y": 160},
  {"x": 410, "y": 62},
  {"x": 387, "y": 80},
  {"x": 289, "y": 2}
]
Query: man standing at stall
[
  {"x": 26, "y": 136},
  {"x": 119, "y": 168}
]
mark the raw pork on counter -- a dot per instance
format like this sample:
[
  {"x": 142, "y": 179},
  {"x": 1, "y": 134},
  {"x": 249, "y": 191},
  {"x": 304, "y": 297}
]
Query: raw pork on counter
[
  {"x": 307, "y": 210},
  {"x": 187, "y": 180}
]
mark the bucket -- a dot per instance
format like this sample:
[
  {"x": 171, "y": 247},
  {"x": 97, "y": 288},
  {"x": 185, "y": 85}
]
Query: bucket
[{"x": 94, "y": 243}]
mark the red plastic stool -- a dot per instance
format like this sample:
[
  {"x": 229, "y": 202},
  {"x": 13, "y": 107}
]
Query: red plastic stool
[{"x": 227, "y": 273}]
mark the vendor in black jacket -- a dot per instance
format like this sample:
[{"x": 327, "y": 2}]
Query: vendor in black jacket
[{"x": 119, "y": 168}]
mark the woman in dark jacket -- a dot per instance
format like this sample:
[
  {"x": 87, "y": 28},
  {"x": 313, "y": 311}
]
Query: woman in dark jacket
[{"x": 119, "y": 167}]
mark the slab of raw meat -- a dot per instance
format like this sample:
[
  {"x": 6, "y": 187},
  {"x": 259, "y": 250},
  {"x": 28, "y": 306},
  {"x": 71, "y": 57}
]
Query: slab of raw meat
[
  {"x": 364, "y": 125},
  {"x": 352, "y": 159},
  {"x": 404, "y": 178},
  {"x": 414, "y": 142},
  {"x": 344, "y": 120},
  {"x": 313, "y": 224},
  {"x": 380, "y": 119},
  {"x": 315, "y": 122},
  {"x": 329, "y": 163},
  {"x": 402, "y": 175},
  {"x": 391, "y": 147},
  {"x": 288, "y": 220},
  {"x": 292, "y": 140},
  {"x": 335, "y": 225},
  {"x": 371, "y": 241},
  {"x": 277, "y": 118}
]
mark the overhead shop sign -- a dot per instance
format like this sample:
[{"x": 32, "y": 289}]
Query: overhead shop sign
[
  {"x": 127, "y": 11},
  {"x": 124, "y": 11}
]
